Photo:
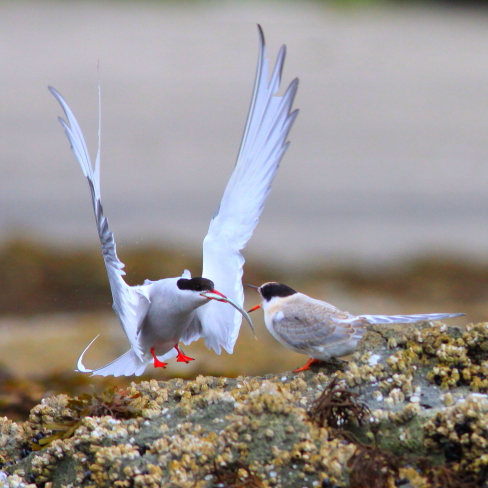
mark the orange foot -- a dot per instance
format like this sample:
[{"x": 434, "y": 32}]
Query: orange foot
[
  {"x": 182, "y": 358},
  {"x": 157, "y": 362},
  {"x": 307, "y": 366}
]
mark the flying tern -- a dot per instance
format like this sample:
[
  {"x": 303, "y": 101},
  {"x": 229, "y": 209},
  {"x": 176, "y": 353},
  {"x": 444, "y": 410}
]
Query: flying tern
[
  {"x": 157, "y": 315},
  {"x": 318, "y": 329}
]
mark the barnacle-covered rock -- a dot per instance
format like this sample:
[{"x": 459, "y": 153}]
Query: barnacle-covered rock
[
  {"x": 409, "y": 393},
  {"x": 460, "y": 432},
  {"x": 11, "y": 434}
]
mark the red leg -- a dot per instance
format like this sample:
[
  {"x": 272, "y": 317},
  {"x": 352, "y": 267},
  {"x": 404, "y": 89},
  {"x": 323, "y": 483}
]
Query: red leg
[
  {"x": 182, "y": 358},
  {"x": 157, "y": 362},
  {"x": 307, "y": 366}
]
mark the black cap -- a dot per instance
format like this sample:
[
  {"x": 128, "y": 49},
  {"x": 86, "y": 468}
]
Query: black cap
[
  {"x": 271, "y": 290},
  {"x": 195, "y": 284}
]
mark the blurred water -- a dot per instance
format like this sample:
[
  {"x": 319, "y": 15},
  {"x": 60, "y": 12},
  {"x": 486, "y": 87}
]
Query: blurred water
[{"x": 389, "y": 155}]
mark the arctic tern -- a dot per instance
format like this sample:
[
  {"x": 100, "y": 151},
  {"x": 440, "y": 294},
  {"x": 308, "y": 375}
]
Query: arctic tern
[
  {"x": 157, "y": 315},
  {"x": 318, "y": 329}
]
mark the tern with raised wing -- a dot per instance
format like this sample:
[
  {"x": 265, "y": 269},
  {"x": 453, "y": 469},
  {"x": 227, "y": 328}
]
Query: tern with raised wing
[
  {"x": 157, "y": 315},
  {"x": 318, "y": 329}
]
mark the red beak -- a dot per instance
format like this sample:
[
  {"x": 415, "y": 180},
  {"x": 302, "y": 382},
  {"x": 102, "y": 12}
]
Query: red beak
[
  {"x": 254, "y": 308},
  {"x": 220, "y": 297},
  {"x": 218, "y": 293}
]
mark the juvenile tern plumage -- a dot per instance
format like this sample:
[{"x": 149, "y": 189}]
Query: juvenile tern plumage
[
  {"x": 318, "y": 329},
  {"x": 157, "y": 315}
]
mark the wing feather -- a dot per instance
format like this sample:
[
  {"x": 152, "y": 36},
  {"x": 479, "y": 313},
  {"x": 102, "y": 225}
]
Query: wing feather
[
  {"x": 307, "y": 324},
  {"x": 262, "y": 147},
  {"x": 130, "y": 303},
  {"x": 408, "y": 319}
]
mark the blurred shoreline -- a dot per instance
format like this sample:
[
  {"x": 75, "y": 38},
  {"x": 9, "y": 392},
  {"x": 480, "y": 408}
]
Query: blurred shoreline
[
  {"x": 38, "y": 278},
  {"x": 55, "y": 301}
]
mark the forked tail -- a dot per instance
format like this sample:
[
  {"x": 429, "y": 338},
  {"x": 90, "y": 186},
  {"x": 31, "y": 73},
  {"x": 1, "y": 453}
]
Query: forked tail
[{"x": 126, "y": 365}]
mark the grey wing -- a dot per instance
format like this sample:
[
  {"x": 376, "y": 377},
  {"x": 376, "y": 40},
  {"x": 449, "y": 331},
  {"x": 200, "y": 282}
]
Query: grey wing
[
  {"x": 263, "y": 144},
  {"x": 130, "y": 303},
  {"x": 311, "y": 327},
  {"x": 408, "y": 319}
]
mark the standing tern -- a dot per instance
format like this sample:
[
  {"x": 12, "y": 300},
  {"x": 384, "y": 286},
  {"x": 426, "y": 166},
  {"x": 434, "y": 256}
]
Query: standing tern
[
  {"x": 317, "y": 328},
  {"x": 157, "y": 315}
]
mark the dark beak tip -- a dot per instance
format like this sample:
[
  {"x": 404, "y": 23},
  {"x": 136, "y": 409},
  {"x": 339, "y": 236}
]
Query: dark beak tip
[{"x": 252, "y": 286}]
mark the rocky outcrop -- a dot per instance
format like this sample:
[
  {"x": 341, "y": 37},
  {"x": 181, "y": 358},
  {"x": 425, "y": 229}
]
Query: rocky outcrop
[{"x": 408, "y": 409}]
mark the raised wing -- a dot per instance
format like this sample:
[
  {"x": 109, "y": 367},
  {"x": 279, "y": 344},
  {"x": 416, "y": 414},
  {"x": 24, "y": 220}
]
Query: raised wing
[
  {"x": 262, "y": 147},
  {"x": 130, "y": 303},
  {"x": 408, "y": 319}
]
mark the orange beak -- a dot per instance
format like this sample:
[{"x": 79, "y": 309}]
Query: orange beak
[{"x": 254, "y": 308}]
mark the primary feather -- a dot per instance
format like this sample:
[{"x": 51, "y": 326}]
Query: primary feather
[
  {"x": 263, "y": 145},
  {"x": 408, "y": 319},
  {"x": 129, "y": 303}
]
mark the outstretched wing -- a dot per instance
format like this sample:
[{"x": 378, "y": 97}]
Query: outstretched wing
[
  {"x": 408, "y": 319},
  {"x": 262, "y": 147},
  {"x": 130, "y": 303}
]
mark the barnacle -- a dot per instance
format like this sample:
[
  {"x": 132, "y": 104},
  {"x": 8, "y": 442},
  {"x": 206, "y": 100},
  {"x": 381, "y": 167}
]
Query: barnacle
[
  {"x": 114, "y": 402},
  {"x": 460, "y": 432}
]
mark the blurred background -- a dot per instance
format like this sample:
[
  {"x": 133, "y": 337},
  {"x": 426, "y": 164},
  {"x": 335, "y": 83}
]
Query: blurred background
[{"x": 380, "y": 204}]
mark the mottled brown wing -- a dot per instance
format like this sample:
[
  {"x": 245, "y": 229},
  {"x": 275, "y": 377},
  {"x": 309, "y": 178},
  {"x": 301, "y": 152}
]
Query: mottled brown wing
[{"x": 312, "y": 324}]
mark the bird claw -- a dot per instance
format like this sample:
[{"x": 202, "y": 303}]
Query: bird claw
[
  {"x": 157, "y": 362},
  {"x": 182, "y": 358},
  {"x": 306, "y": 366}
]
